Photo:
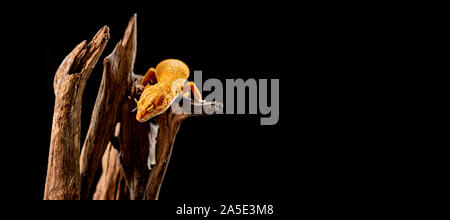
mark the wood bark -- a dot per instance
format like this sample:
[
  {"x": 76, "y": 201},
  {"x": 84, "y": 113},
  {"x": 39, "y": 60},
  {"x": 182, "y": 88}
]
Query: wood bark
[
  {"x": 116, "y": 143},
  {"x": 111, "y": 185},
  {"x": 118, "y": 66},
  {"x": 63, "y": 176}
]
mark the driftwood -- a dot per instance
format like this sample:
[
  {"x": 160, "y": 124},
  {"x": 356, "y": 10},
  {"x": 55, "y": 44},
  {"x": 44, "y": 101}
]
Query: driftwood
[
  {"x": 115, "y": 141},
  {"x": 118, "y": 66},
  {"x": 111, "y": 185},
  {"x": 63, "y": 177}
]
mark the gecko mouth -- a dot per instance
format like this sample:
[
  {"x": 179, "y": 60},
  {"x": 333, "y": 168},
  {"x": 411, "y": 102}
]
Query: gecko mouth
[{"x": 144, "y": 118}]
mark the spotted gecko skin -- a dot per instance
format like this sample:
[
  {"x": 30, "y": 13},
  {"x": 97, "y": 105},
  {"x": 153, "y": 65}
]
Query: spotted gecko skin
[{"x": 171, "y": 75}]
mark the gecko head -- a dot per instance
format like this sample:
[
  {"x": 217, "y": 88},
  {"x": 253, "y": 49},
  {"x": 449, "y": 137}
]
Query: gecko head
[
  {"x": 153, "y": 104},
  {"x": 144, "y": 114}
]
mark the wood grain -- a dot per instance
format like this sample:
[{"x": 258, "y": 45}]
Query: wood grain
[
  {"x": 118, "y": 66},
  {"x": 63, "y": 176}
]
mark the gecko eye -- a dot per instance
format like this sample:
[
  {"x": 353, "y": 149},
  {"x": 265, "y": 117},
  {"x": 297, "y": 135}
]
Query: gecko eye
[{"x": 150, "y": 108}]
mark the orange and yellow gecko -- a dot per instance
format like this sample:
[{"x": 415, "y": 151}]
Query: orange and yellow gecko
[{"x": 168, "y": 80}]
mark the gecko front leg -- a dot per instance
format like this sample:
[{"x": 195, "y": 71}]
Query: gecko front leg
[{"x": 150, "y": 76}]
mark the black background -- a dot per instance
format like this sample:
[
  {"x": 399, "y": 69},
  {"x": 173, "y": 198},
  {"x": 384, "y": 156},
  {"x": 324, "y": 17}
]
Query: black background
[
  {"x": 311, "y": 154},
  {"x": 229, "y": 157},
  {"x": 327, "y": 148}
]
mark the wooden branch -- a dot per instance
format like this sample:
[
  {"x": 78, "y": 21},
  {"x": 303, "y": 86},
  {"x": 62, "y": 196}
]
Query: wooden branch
[
  {"x": 118, "y": 67},
  {"x": 106, "y": 186},
  {"x": 134, "y": 143},
  {"x": 63, "y": 175},
  {"x": 112, "y": 185}
]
